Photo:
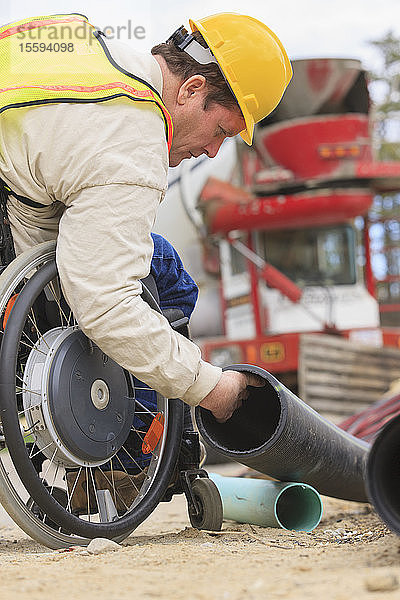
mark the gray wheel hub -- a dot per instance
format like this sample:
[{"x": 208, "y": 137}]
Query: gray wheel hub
[{"x": 76, "y": 399}]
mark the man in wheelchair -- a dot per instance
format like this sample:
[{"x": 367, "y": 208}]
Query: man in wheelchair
[{"x": 87, "y": 133}]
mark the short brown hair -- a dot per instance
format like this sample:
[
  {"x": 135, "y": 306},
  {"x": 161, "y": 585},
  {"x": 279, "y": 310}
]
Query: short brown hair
[{"x": 184, "y": 66}]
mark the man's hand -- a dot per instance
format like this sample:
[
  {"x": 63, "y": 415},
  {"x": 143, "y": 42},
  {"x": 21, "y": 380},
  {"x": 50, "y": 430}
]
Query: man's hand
[{"x": 229, "y": 393}]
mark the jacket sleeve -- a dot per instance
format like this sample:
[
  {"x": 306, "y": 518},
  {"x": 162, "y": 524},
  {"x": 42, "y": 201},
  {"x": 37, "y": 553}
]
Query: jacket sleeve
[{"x": 104, "y": 248}]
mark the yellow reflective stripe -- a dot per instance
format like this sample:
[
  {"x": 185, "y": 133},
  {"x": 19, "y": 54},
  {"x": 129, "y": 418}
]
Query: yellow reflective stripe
[{"x": 31, "y": 23}]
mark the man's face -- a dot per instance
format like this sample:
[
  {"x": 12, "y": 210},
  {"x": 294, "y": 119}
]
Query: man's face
[{"x": 198, "y": 131}]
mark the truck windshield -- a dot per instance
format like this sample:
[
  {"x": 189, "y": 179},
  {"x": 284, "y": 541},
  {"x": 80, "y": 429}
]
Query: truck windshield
[{"x": 312, "y": 256}]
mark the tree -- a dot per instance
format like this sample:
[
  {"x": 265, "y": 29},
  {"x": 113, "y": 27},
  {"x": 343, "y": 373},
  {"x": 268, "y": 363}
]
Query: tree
[
  {"x": 387, "y": 109},
  {"x": 384, "y": 216}
]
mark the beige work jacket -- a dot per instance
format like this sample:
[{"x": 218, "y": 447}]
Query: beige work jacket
[{"x": 101, "y": 170}]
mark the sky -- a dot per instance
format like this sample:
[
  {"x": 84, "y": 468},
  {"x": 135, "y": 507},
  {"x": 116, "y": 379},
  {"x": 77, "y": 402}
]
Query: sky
[{"x": 308, "y": 28}]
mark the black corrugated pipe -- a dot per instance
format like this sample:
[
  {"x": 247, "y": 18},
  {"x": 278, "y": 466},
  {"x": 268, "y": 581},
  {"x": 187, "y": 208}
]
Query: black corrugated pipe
[
  {"x": 383, "y": 474},
  {"x": 276, "y": 433}
]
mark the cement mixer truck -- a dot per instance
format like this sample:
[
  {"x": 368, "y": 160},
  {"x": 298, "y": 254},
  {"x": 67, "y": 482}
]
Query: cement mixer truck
[{"x": 277, "y": 236}]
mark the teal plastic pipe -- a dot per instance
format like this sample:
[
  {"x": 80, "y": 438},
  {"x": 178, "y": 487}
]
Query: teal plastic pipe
[{"x": 295, "y": 506}]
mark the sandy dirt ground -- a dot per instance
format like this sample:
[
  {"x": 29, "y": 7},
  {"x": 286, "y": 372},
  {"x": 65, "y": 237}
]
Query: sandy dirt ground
[{"x": 350, "y": 555}]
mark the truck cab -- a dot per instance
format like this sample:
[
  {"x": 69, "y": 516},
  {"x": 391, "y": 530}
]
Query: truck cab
[{"x": 299, "y": 206}]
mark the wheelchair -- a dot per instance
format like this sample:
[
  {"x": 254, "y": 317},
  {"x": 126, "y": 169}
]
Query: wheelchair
[{"x": 72, "y": 420}]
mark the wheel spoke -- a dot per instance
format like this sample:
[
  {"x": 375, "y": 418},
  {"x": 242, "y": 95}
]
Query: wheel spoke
[
  {"x": 31, "y": 342},
  {"x": 94, "y": 489},
  {"x": 32, "y": 347},
  {"x": 31, "y": 452},
  {"x": 50, "y": 463},
  {"x": 87, "y": 494},
  {"x": 70, "y": 316},
  {"x": 140, "y": 436},
  {"x": 41, "y": 450},
  {"x": 134, "y": 486},
  {"x": 54, "y": 478},
  {"x": 133, "y": 460},
  {"x": 60, "y": 309},
  {"x": 32, "y": 319},
  {"x": 22, "y": 390},
  {"x": 144, "y": 410},
  {"x": 69, "y": 496},
  {"x": 22, "y": 412},
  {"x": 112, "y": 483}
]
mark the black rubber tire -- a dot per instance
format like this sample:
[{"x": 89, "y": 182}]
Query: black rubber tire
[
  {"x": 17, "y": 449},
  {"x": 209, "y": 501}
]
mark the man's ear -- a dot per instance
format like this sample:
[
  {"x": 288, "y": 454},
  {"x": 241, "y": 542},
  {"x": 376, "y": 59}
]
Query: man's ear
[{"x": 194, "y": 85}]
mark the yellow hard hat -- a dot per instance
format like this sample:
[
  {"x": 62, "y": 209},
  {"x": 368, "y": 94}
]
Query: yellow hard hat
[{"x": 253, "y": 61}]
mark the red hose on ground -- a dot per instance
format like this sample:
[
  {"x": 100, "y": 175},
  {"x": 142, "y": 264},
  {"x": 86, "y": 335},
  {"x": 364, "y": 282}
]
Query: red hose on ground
[{"x": 367, "y": 424}]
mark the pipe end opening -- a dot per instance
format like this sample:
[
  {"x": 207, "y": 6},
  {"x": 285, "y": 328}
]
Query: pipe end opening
[
  {"x": 298, "y": 507},
  {"x": 250, "y": 427}
]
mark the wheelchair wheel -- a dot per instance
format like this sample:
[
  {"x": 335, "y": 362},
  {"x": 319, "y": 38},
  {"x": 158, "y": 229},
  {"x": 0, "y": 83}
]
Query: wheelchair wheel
[{"x": 86, "y": 450}]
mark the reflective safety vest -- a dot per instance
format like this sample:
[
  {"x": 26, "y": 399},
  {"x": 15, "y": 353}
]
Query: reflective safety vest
[{"x": 63, "y": 58}]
